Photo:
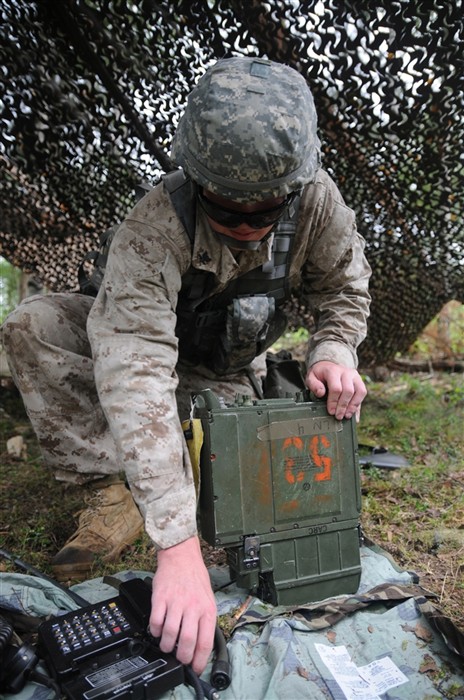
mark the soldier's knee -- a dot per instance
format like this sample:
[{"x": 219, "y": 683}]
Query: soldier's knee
[
  {"x": 45, "y": 324},
  {"x": 26, "y": 321},
  {"x": 38, "y": 319}
]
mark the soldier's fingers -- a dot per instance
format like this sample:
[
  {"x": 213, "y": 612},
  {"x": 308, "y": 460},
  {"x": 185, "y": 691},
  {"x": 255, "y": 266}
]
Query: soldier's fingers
[
  {"x": 335, "y": 393},
  {"x": 157, "y": 616},
  {"x": 195, "y": 640},
  {"x": 359, "y": 394},
  {"x": 344, "y": 399},
  {"x": 204, "y": 644},
  {"x": 171, "y": 629}
]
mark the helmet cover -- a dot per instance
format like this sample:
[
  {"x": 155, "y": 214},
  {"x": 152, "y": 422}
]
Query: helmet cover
[{"x": 249, "y": 131}]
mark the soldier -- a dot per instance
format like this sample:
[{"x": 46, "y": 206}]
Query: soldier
[{"x": 191, "y": 298}]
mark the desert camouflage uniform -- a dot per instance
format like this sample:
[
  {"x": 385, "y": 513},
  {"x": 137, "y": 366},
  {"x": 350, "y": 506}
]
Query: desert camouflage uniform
[{"x": 100, "y": 378}]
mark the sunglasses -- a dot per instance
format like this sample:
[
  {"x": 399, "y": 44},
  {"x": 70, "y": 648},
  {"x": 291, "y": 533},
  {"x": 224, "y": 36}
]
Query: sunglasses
[{"x": 231, "y": 218}]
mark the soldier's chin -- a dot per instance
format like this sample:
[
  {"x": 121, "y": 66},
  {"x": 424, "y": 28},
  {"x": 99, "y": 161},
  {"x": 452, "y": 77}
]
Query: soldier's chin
[{"x": 241, "y": 244}]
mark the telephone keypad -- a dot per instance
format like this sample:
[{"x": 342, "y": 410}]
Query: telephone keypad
[{"x": 80, "y": 631}]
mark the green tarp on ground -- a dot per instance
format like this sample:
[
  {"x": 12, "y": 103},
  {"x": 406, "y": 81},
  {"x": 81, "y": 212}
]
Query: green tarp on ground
[{"x": 390, "y": 628}]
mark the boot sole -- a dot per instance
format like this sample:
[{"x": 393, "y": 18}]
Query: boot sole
[{"x": 78, "y": 572}]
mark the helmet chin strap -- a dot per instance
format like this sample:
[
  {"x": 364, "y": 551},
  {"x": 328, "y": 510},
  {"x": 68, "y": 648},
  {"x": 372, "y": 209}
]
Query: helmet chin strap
[{"x": 242, "y": 245}]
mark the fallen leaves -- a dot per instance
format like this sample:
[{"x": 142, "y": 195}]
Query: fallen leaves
[
  {"x": 420, "y": 631},
  {"x": 428, "y": 665},
  {"x": 331, "y": 636}
]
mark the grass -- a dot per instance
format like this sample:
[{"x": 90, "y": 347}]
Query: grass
[{"x": 417, "y": 513}]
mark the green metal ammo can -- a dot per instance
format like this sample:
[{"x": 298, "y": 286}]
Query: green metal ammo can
[{"x": 280, "y": 491}]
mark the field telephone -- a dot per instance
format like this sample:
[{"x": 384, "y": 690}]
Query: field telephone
[
  {"x": 101, "y": 650},
  {"x": 104, "y": 650}
]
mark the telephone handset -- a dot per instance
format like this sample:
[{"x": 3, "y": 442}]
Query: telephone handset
[{"x": 104, "y": 650}]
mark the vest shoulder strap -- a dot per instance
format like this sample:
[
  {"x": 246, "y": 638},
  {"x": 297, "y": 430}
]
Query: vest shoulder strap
[{"x": 181, "y": 192}]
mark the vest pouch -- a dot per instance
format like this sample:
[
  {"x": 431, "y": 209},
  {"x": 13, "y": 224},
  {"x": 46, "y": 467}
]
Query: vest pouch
[
  {"x": 284, "y": 375},
  {"x": 252, "y": 325}
]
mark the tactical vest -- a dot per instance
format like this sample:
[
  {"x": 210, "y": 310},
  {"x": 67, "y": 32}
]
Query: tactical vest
[{"x": 225, "y": 331}]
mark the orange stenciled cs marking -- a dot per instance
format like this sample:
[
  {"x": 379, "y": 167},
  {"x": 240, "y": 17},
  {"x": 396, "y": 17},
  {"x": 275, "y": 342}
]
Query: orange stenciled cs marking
[
  {"x": 321, "y": 461},
  {"x": 290, "y": 461}
]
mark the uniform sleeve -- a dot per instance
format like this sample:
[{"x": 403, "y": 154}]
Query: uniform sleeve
[
  {"x": 335, "y": 282},
  {"x": 131, "y": 328}
]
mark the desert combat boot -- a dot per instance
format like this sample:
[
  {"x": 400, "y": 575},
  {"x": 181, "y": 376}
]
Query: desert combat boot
[{"x": 110, "y": 522}]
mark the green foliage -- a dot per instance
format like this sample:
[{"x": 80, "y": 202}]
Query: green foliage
[
  {"x": 9, "y": 288},
  {"x": 444, "y": 335},
  {"x": 290, "y": 339}
]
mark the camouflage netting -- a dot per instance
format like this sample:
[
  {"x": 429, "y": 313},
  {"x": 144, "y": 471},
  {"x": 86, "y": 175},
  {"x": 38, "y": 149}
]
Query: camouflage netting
[{"x": 92, "y": 91}]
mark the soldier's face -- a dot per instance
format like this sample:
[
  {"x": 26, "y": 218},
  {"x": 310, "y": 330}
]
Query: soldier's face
[{"x": 243, "y": 222}]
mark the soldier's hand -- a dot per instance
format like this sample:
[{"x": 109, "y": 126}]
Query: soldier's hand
[
  {"x": 184, "y": 610},
  {"x": 343, "y": 385}
]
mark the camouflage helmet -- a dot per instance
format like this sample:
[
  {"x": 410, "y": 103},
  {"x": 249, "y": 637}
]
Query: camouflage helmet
[{"x": 249, "y": 131}]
